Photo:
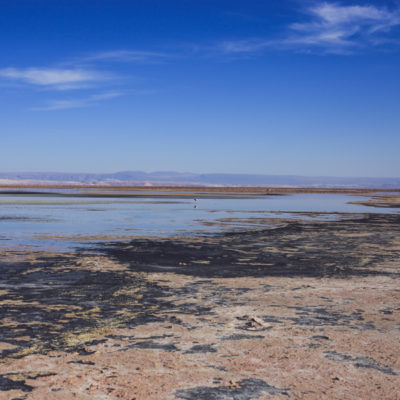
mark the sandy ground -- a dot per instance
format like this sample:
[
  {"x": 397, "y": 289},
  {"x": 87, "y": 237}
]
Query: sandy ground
[{"x": 301, "y": 311}]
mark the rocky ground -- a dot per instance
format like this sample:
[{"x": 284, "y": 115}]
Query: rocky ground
[{"x": 300, "y": 310}]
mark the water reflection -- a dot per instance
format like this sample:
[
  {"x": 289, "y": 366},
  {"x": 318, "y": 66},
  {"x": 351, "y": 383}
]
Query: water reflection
[{"x": 33, "y": 220}]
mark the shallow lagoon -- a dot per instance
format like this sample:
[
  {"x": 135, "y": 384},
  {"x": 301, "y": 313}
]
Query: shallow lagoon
[{"x": 34, "y": 220}]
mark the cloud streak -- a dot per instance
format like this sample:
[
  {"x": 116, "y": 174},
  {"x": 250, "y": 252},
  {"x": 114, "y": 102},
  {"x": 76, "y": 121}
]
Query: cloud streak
[
  {"x": 334, "y": 26},
  {"x": 78, "y": 102},
  {"x": 133, "y": 56},
  {"x": 331, "y": 28},
  {"x": 61, "y": 78}
]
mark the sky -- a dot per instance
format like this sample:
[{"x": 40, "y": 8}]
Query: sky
[{"x": 229, "y": 86}]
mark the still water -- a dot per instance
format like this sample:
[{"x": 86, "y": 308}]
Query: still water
[{"x": 56, "y": 222}]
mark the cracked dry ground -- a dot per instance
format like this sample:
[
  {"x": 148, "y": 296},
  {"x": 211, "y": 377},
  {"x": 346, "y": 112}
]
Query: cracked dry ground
[{"x": 307, "y": 310}]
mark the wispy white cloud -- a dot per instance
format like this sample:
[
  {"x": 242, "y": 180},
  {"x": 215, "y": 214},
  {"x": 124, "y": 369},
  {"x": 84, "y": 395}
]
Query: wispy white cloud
[
  {"x": 83, "y": 75},
  {"x": 135, "y": 56},
  {"x": 244, "y": 46},
  {"x": 78, "y": 102},
  {"x": 335, "y": 26},
  {"x": 331, "y": 27},
  {"x": 58, "y": 78},
  {"x": 79, "y": 75}
]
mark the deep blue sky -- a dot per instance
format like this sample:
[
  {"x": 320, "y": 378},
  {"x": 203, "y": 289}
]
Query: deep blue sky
[{"x": 251, "y": 86}]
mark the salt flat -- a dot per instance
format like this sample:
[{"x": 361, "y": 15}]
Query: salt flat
[{"x": 303, "y": 308}]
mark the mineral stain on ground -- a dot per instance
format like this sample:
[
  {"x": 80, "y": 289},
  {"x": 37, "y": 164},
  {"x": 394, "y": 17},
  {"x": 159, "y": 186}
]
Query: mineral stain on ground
[{"x": 245, "y": 389}]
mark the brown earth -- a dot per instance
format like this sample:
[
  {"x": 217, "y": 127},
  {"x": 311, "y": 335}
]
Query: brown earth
[{"x": 384, "y": 201}]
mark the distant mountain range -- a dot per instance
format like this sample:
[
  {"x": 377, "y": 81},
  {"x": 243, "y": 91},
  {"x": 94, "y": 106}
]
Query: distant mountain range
[{"x": 191, "y": 179}]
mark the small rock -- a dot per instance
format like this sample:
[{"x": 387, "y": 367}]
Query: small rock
[{"x": 234, "y": 384}]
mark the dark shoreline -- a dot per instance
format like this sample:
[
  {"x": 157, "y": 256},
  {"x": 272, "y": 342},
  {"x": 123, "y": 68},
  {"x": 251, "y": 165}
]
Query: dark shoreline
[
  {"x": 191, "y": 190},
  {"x": 219, "y": 255}
]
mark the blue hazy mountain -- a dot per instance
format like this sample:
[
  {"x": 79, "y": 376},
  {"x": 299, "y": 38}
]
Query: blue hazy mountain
[{"x": 192, "y": 179}]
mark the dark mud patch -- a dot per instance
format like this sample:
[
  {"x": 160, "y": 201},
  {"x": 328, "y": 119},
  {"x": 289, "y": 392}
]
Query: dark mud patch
[
  {"x": 346, "y": 248},
  {"x": 14, "y": 381},
  {"x": 359, "y": 362},
  {"x": 201, "y": 348},
  {"x": 7, "y": 384},
  {"x": 239, "y": 336},
  {"x": 81, "y": 362},
  {"x": 245, "y": 389},
  {"x": 149, "y": 344},
  {"x": 320, "y": 337},
  {"x": 320, "y": 316},
  {"x": 59, "y": 304}
]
